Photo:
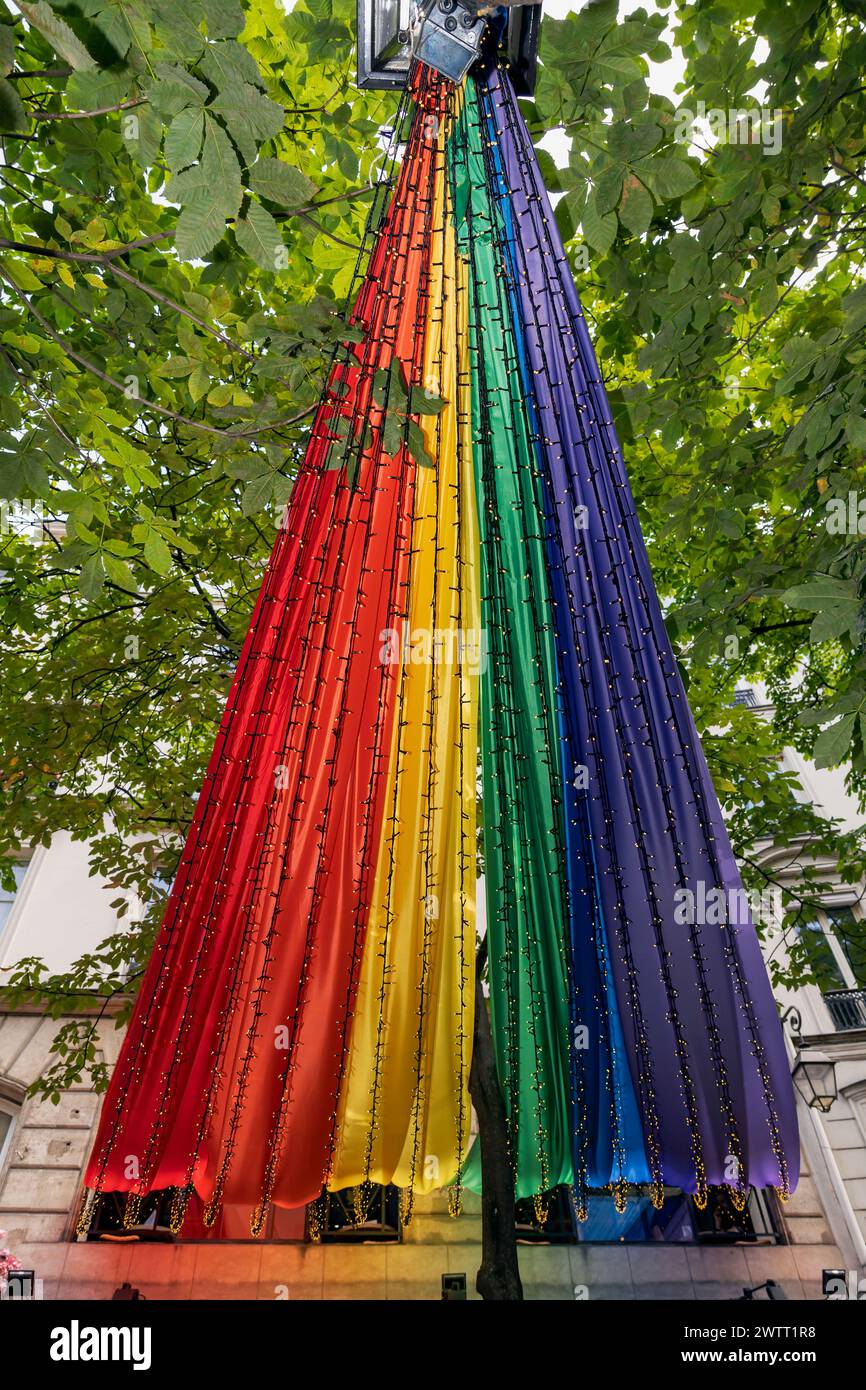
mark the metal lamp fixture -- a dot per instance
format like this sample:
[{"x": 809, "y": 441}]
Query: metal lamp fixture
[
  {"x": 444, "y": 34},
  {"x": 814, "y": 1075}
]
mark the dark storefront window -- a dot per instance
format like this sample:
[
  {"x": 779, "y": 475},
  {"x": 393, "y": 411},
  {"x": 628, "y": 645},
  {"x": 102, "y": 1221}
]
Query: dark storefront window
[
  {"x": 232, "y": 1223},
  {"x": 377, "y": 1219},
  {"x": 679, "y": 1221}
]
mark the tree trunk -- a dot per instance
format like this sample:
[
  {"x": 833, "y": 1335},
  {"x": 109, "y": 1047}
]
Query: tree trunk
[{"x": 499, "y": 1275}]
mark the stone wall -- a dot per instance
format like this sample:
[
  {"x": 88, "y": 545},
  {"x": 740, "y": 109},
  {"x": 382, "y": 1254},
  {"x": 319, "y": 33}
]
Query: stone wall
[
  {"x": 845, "y": 1124},
  {"x": 41, "y": 1176},
  {"x": 413, "y": 1268},
  {"x": 41, "y": 1181}
]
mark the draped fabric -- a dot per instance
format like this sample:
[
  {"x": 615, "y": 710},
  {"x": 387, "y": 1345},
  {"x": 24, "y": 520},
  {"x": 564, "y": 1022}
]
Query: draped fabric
[{"x": 458, "y": 602}]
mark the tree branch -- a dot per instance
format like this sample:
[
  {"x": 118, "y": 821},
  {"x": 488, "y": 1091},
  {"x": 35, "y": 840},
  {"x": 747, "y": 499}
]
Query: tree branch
[
  {"x": 86, "y": 115},
  {"x": 145, "y": 404}
]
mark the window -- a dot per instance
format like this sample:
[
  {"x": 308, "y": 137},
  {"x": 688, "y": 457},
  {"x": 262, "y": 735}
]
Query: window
[
  {"x": 232, "y": 1223},
  {"x": 746, "y": 698},
  {"x": 677, "y": 1222},
  {"x": 851, "y": 936},
  {"x": 143, "y": 909},
  {"x": 11, "y": 879},
  {"x": 721, "y": 1224},
  {"x": 833, "y": 947},
  {"x": 8, "y": 1119},
  {"x": 107, "y": 1223},
  {"x": 847, "y": 1009},
  {"x": 812, "y": 950},
  {"x": 557, "y": 1229},
  {"x": 856, "y": 1096},
  {"x": 380, "y": 1218}
]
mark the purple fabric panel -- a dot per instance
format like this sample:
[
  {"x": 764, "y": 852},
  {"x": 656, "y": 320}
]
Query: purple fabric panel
[{"x": 702, "y": 1032}]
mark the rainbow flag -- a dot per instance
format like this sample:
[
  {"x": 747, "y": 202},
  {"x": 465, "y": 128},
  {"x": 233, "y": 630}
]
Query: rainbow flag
[{"x": 457, "y": 643}]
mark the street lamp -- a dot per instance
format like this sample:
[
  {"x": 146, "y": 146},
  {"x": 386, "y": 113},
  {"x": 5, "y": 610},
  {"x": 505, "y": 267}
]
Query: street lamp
[
  {"x": 444, "y": 34},
  {"x": 814, "y": 1076}
]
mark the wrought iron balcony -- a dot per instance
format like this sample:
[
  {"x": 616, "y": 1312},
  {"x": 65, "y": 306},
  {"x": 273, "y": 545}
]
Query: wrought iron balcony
[{"x": 847, "y": 1008}]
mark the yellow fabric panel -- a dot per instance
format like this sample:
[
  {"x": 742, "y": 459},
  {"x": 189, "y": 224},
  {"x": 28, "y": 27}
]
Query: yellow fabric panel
[{"x": 404, "y": 1109}]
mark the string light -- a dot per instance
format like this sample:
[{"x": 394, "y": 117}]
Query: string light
[{"x": 630, "y": 1051}]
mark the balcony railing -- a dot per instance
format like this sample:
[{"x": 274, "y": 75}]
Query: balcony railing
[{"x": 847, "y": 1008}]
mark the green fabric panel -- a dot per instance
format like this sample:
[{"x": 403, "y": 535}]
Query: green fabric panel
[{"x": 524, "y": 857}]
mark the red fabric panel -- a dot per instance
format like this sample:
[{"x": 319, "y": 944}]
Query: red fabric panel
[{"x": 265, "y": 924}]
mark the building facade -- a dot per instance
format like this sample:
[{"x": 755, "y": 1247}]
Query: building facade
[{"x": 813, "y": 1243}]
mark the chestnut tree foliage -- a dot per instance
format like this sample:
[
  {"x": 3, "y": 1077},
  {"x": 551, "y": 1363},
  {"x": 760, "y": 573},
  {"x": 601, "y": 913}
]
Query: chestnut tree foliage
[{"x": 184, "y": 189}]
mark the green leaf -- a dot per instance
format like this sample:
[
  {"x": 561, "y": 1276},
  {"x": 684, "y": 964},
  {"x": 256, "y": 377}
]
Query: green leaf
[
  {"x": 832, "y": 744},
  {"x": 417, "y": 446},
  {"x": 7, "y": 49},
  {"x": 257, "y": 494},
  {"x": 636, "y": 208},
  {"x": 730, "y": 523},
  {"x": 771, "y": 209},
  {"x": 117, "y": 25},
  {"x": 249, "y": 115},
  {"x": 92, "y": 88},
  {"x": 179, "y": 22},
  {"x": 224, "y": 18},
  {"x": 667, "y": 176},
  {"x": 618, "y": 68},
  {"x": 58, "y": 34},
  {"x": 608, "y": 187},
  {"x": 831, "y": 623},
  {"x": 258, "y": 234},
  {"x": 227, "y": 64},
  {"x": 599, "y": 231},
  {"x": 281, "y": 183},
  {"x": 631, "y": 142},
  {"x": 142, "y": 133},
  {"x": 157, "y": 553},
  {"x": 836, "y": 601},
  {"x": 118, "y": 571},
  {"x": 693, "y": 204},
  {"x": 854, "y": 308},
  {"x": 392, "y": 433},
  {"x": 399, "y": 393},
  {"x": 214, "y": 197},
  {"x": 176, "y": 366},
  {"x": 800, "y": 356},
  {"x": 183, "y": 138},
  {"x": 199, "y": 382},
  {"x": 13, "y": 113},
  {"x": 855, "y": 430},
  {"x": 174, "y": 89},
  {"x": 200, "y": 225},
  {"x": 91, "y": 581},
  {"x": 183, "y": 186},
  {"x": 220, "y": 168},
  {"x": 423, "y": 402},
  {"x": 340, "y": 447}
]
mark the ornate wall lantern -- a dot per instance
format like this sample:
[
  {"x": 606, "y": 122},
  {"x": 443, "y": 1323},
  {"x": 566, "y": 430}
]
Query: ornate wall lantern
[{"x": 814, "y": 1076}]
